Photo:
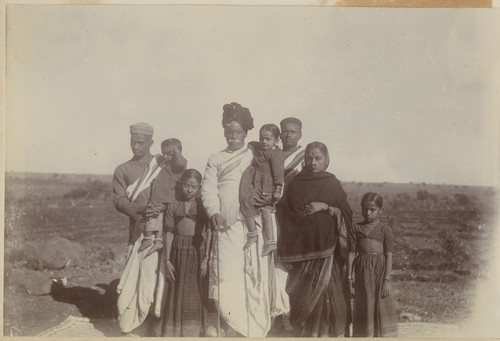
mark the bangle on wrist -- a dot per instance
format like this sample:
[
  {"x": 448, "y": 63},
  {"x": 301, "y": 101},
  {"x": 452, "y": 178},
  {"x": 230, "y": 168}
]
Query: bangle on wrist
[
  {"x": 387, "y": 279},
  {"x": 206, "y": 257},
  {"x": 168, "y": 261}
]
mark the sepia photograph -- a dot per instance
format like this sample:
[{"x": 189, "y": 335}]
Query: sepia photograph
[{"x": 237, "y": 169}]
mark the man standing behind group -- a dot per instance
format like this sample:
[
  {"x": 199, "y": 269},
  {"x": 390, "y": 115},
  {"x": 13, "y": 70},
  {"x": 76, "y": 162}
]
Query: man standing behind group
[
  {"x": 291, "y": 133},
  {"x": 131, "y": 191}
]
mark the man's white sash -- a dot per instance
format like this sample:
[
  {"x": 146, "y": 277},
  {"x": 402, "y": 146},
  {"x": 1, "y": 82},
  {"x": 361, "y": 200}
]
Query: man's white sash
[
  {"x": 295, "y": 159},
  {"x": 144, "y": 181}
]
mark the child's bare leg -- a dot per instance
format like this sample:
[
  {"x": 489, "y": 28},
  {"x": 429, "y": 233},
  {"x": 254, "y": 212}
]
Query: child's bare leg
[
  {"x": 155, "y": 227},
  {"x": 158, "y": 244},
  {"x": 267, "y": 227},
  {"x": 251, "y": 234},
  {"x": 147, "y": 240}
]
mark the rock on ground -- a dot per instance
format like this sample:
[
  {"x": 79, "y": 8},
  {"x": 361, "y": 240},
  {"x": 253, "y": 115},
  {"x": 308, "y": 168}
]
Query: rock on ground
[
  {"x": 56, "y": 253},
  {"x": 409, "y": 317}
]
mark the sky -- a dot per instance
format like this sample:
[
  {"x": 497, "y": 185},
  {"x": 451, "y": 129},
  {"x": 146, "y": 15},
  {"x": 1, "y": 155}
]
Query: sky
[{"x": 397, "y": 95}]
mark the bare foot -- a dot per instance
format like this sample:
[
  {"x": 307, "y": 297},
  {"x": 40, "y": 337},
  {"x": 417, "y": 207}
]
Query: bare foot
[
  {"x": 212, "y": 332},
  {"x": 158, "y": 245},
  {"x": 251, "y": 239},
  {"x": 268, "y": 248},
  {"x": 145, "y": 243}
]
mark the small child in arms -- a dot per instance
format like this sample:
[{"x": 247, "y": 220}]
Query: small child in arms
[
  {"x": 162, "y": 194},
  {"x": 264, "y": 175}
]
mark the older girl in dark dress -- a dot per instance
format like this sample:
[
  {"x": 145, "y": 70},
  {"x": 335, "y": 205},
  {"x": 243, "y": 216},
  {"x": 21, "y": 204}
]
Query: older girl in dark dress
[{"x": 187, "y": 251}]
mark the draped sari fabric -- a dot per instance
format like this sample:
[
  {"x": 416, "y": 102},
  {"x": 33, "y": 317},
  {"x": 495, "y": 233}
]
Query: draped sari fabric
[
  {"x": 315, "y": 246},
  {"x": 278, "y": 274},
  {"x": 241, "y": 277},
  {"x": 139, "y": 279},
  {"x": 308, "y": 237},
  {"x": 318, "y": 307},
  {"x": 137, "y": 288}
]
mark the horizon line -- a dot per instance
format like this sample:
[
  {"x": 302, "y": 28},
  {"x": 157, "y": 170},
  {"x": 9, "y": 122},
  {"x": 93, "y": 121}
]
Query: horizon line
[{"x": 411, "y": 182}]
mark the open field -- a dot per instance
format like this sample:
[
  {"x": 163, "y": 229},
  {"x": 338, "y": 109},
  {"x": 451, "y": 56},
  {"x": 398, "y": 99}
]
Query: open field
[{"x": 442, "y": 234}]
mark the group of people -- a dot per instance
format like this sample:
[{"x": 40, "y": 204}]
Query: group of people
[{"x": 264, "y": 232}]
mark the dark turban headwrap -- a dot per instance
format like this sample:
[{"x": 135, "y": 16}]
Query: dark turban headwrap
[
  {"x": 293, "y": 120},
  {"x": 235, "y": 112}
]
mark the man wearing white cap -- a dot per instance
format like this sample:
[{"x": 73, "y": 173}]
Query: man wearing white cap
[{"x": 131, "y": 191}]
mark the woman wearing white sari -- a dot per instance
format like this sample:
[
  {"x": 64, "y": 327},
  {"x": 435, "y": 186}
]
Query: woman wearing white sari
[{"x": 241, "y": 278}]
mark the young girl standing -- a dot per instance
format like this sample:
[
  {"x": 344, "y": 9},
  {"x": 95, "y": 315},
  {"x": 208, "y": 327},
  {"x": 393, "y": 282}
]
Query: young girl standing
[
  {"x": 264, "y": 175},
  {"x": 187, "y": 249},
  {"x": 370, "y": 250}
]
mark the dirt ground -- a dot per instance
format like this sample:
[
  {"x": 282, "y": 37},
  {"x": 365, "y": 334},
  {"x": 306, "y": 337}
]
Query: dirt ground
[{"x": 438, "y": 259}]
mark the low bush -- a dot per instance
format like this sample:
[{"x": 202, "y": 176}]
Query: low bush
[
  {"x": 76, "y": 193},
  {"x": 94, "y": 189},
  {"x": 455, "y": 253}
]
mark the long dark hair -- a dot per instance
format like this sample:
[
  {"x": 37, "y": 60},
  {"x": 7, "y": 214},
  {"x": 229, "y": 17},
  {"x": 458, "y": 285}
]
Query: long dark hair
[
  {"x": 372, "y": 196},
  {"x": 187, "y": 174},
  {"x": 191, "y": 173}
]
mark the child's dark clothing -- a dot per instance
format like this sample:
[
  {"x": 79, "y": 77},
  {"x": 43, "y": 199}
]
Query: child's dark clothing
[
  {"x": 373, "y": 315},
  {"x": 186, "y": 297},
  {"x": 266, "y": 171},
  {"x": 163, "y": 187}
]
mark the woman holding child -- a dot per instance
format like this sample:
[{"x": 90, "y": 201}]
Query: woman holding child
[
  {"x": 238, "y": 278},
  {"x": 313, "y": 242}
]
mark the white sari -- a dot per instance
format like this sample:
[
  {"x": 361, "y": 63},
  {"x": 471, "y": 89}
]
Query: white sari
[{"x": 241, "y": 278}]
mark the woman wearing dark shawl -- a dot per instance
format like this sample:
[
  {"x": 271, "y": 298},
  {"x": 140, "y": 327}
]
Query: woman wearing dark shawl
[{"x": 313, "y": 242}]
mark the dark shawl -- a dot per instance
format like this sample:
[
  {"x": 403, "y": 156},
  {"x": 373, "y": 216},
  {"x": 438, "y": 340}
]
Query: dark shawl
[{"x": 314, "y": 236}]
